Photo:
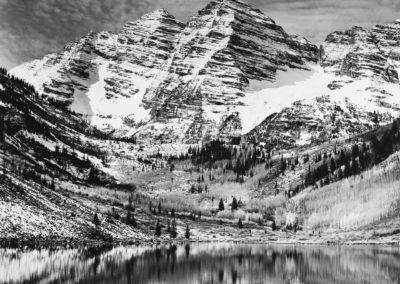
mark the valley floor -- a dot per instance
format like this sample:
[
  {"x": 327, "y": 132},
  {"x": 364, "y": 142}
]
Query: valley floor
[{"x": 363, "y": 209}]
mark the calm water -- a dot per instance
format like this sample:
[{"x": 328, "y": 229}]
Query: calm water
[{"x": 203, "y": 263}]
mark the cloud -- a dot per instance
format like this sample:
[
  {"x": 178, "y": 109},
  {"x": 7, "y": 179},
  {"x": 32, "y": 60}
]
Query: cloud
[{"x": 31, "y": 28}]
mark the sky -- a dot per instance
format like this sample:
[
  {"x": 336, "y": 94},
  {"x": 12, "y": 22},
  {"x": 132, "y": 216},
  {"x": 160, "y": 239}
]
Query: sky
[{"x": 29, "y": 29}]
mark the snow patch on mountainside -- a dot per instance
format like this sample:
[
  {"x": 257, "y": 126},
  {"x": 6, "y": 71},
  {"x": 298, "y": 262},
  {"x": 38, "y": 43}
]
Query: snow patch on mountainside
[
  {"x": 266, "y": 98},
  {"x": 104, "y": 112}
]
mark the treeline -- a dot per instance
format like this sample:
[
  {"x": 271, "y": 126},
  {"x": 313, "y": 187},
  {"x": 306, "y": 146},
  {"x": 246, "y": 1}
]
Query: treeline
[
  {"x": 239, "y": 159},
  {"x": 213, "y": 151},
  {"x": 345, "y": 163},
  {"x": 12, "y": 82}
]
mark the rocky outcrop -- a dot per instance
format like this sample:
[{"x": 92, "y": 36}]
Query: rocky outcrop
[
  {"x": 362, "y": 93},
  {"x": 105, "y": 74},
  {"x": 318, "y": 120},
  {"x": 219, "y": 51},
  {"x": 364, "y": 53}
]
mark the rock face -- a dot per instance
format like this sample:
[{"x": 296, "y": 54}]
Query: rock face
[
  {"x": 358, "y": 52},
  {"x": 221, "y": 49},
  {"x": 362, "y": 68},
  {"x": 191, "y": 77},
  {"x": 229, "y": 69},
  {"x": 104, "y": 75}
]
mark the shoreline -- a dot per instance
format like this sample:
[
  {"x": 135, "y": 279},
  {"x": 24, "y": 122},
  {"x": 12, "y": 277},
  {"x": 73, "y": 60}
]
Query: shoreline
[{"x": 69, "y": 243}]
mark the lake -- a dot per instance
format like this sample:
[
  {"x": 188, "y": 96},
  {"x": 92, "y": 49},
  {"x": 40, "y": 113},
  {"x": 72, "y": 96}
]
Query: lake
[{"x": 204, "y": 263}]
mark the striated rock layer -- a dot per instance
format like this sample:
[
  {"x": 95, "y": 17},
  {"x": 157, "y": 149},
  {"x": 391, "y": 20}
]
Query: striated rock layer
[
  {"x": 359, "y": 52},
  {"x": 231, "y": 70},
  {"x": 104, "y": 75},
  {"x": 221, "y": 49},
  {"x": 361, "y": 72},
  {"x": 158, "y": 77}
]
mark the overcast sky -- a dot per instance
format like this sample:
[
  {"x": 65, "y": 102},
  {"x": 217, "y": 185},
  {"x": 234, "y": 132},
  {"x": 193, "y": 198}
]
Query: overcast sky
[{"x": 32, "y": 28}]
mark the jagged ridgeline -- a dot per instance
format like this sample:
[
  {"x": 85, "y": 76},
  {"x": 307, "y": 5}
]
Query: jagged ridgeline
[
  {"x": 161, "y": 78},
  {"x": 185, "y": 120},
  {"x": 228, "y": 71}
]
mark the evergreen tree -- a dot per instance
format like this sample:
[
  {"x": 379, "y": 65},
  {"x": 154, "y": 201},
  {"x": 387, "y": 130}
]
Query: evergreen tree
[
  {"x": 158, "y": 229},
  {"x": 273, "y": 226},
  {"x": 333, "y": 165},
  {"x": 169, "y": 227},
  {"x": 347, "y": 170},
  {"x": 130, "y": 219},
  {"x": 354, "y": 167},
  {"x": 393, "y": 131},
  {"x": 376, "y": 148},
  {"x": 355, "y": 151},
  {"x": 221, "y": 206},
  {"x": 283, "y": 165},
  {"x": 96, "y": 220},
  {"x": 187, "y": 233},
  {"x": 240, "y": 224},
  {"x": 2, "y": 128},
  {"x": 174, "y": 232},
  {"x": 340, "y": 174},
  {"x": 387, "y": 145},
  {"x": 234, "y": 204},
  {"x": 93, "y": 176},
  {"x": 342, "y": 158}
]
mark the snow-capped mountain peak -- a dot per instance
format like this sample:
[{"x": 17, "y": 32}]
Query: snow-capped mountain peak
[
  {"x": 157, "y": 69},
  {"x": 220, "y": 75}
]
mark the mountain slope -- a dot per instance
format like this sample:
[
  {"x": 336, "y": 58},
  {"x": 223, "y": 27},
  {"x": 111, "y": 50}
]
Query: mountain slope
[
  {"x": 358, "y": 90},
  {"x": 104, "y": 75},
  {"x": 165, "y": 80},
  {"x": 219, "y": 52}
]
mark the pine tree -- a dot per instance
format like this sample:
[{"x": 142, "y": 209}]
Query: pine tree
[
  {"x": 283, "y": 165},
  {"x": 221, "y": 206},
  {"x": 240, "y": 224},
  {"x": 187, "y": 233},
  {"x": 93, "y": 176},
  {"x": 158, "y": 229},
  {"x": 96, "y": 220},
  {"x": 395, "y": 129},
  {"x": 355, "y": 151},
  {"x": 347, "y": 170},
  {"x": 130, "y": 219},
  {"x": 273, "y": 226},
  {"x": 2, "y": 128},
  {"x": 340, "y": 174},
  {"x": 234, "y": 204},
  {"x": 333, "y": 165},
  {"x": 354, "y": 167},
  {"x": 174, "y": 232},
  {"x": 169, "y": 227}
]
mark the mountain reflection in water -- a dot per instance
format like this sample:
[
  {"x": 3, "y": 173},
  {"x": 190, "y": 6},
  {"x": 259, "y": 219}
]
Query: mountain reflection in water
[{"x": 204, "y": 263}]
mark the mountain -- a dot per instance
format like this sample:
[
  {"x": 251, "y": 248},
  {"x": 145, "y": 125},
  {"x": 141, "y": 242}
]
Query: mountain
[
  {"x": 357, "y": 89},
  {"x": 110, "y": 126},
  {"x": 158, "y": 77},
  {"x": 104, "y": 75},
  {"x": 48, "y": 157}
]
